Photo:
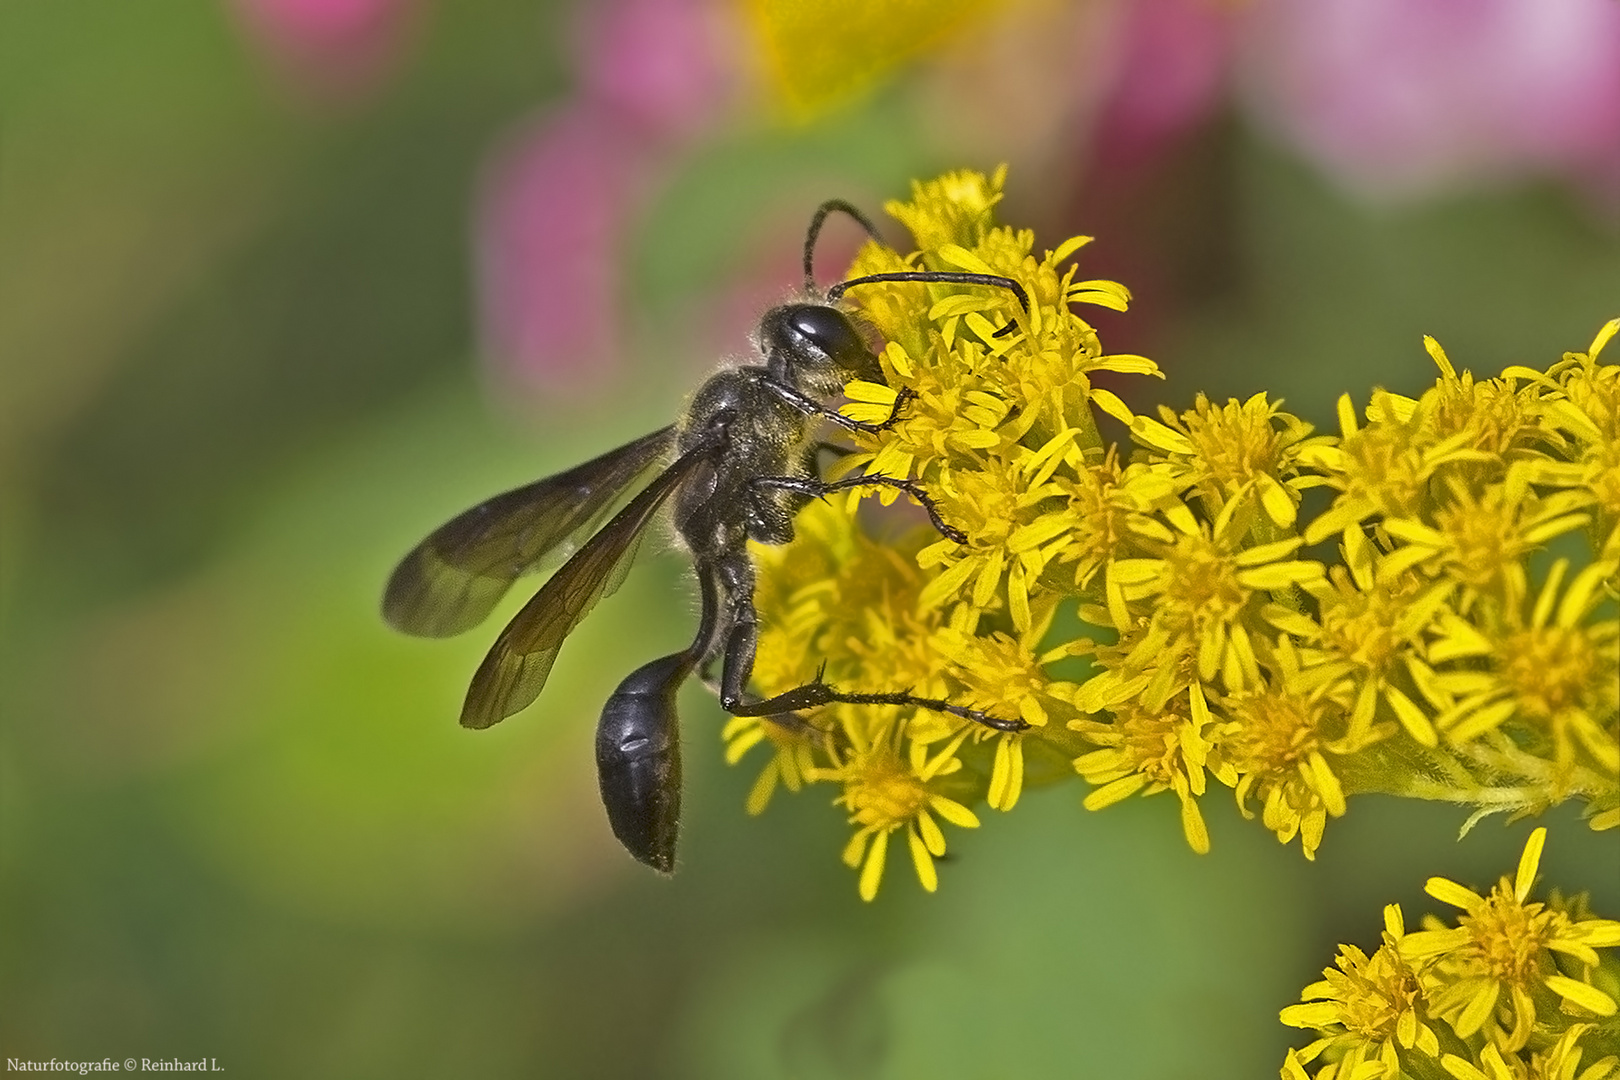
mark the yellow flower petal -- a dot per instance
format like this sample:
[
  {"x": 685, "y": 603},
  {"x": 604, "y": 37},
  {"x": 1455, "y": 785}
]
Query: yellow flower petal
[
  {"x": 1529, "y": 862},
  {"x": 1585, "y": 995},
  {"x": 922, "y": 860},
  {"x": 1193, "y": 827},
  {"x": 1120, "y": 789},
  {"x": 1449, "y": 892},
  {"x": 872, "y": 872},
  {"x": 953, "y": 812}
]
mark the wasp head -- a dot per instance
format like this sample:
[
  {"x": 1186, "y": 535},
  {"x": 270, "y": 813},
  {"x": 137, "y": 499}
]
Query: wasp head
[{"x": 815, "y": 348}]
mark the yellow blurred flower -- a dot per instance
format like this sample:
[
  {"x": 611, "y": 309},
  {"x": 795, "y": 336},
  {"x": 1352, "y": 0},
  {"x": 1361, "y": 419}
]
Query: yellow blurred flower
[{"x": 822, "y": 52}]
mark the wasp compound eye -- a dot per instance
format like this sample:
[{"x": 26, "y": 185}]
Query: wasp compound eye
[
  {"x": 815, "y": 346},
  {"x": 815, "y": 331},
  {"x": 826, "y": 329}
]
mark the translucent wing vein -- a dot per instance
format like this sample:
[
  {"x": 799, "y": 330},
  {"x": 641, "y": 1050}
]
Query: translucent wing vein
[
  {"x": 515, "y": 670},
  {"x": 451, "y": 581}
]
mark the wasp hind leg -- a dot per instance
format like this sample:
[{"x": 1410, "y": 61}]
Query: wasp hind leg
[
  {"x": 813, "y": 695},
  {"x": 737, "y": 667}
]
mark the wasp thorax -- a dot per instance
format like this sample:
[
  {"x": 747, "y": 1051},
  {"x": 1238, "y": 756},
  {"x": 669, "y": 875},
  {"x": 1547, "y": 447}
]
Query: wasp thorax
[{"x": 815, "y": 347}]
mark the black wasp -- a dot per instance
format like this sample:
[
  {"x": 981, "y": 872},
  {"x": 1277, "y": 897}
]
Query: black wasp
[{"x": 739, "y": 465}]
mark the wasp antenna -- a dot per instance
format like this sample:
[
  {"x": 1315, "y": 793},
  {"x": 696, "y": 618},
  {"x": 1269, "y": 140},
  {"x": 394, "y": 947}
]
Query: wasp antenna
[
  {"x": 816, "y": 221},
  {"x": 950, "y": 277}
]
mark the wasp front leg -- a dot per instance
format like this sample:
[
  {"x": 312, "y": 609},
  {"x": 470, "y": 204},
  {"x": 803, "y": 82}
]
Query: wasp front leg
[{"x": 811, "y": 407}]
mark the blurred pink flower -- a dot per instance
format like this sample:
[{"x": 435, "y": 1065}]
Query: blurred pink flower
[
  {"x": 331, "y": 47},
  {"x": 552, "y": 217},
  {"x": 1172, "y": 57},
  {"x": 664, "y": 64},
  {"x": 1401, "y": 98},
  {"x": 560, "y": 196}
]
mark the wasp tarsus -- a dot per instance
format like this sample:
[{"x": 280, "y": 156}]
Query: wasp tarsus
[{"x": 740, "y": 464}]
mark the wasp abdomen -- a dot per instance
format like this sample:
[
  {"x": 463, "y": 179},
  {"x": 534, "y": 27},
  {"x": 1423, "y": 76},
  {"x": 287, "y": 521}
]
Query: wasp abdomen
[{"x": 638, "y": 760}]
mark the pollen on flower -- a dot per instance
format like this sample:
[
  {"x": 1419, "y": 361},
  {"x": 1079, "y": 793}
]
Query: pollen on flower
[
  {"x": 1148, "y": 751},
  {"x": 1253, "y": 446},
  {"x": 1386, "y": 468},
  {"x": 957, "y": 208},
  {"x": 1101, "y": 505},
  {"x": 1000, "y": 668},
  {"x": 1202, "y": 589},
  {"x": 1547, "y": 676},
  {"x": 1368, "y": 644},
  {"x": 1482, "y": 542},
  {"x": 1551, "y": 669},
  {"x": 1587, "y": 390},
  {"x": 1376, "y": 993},
  {"x": 1493, "y": 415},
  {"x": 1371, "y": 623},
  {"x": 1200, "y": 586},
  {"x": 885, "y": 792},
  {"x": 1279, "y": 747}
]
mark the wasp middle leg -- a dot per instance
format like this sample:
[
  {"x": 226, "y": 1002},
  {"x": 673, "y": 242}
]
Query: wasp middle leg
[
  {"x": 812, "y": 488},
  {"x": 736, "y": 575}
]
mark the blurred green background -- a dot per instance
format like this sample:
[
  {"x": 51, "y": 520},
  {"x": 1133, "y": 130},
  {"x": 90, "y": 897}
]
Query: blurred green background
[{"x": 237, "y": 818}]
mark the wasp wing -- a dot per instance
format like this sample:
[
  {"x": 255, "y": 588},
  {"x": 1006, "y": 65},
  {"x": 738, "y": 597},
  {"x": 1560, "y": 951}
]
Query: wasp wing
[
  {"x": 451, "y": 581},
  {"x": 515, "y": 670}
]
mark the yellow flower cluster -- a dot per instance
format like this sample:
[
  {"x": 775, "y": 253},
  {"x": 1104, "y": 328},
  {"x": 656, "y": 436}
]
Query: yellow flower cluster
[
  {"x": 1517, "y": 990},
  {"x": 1442, "y": 626}
]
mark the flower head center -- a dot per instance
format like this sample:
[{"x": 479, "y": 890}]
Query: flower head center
[
  {"x": 1490, "y": 410},
  {"x": 1235, "y": 442},
  {"x": 1151, "y": 740},
  {"x": 1509, "y": 936},
  {"x": 1362, "y": 627},
  {"x": 1550, "y": 668},
  {"x": 1203, "y": 586},
  {"x": 1277, "y": 729},
  {"x": 1375, "y": 992},
  {"x": 1386, "y": 468},
  {"x": 1484, "y": 540},
  {"x": 1596, "y": 392},
  {"x": 884, "y": 793}
]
